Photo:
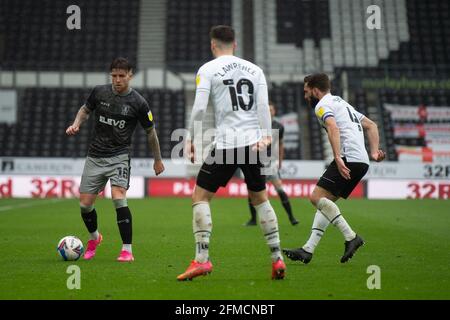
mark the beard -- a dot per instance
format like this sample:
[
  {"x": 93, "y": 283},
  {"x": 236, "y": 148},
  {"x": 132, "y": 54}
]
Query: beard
[{"x": 313, "y": 102}]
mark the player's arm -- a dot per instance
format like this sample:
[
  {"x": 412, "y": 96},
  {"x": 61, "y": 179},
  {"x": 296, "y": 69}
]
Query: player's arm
[
  {"x": 281, "y": 153},
  {"x": 371, "y": 129},
  {"x": 263, "y": 110},
  {"x": 281, "y": 148},
  {"x": 198, "y": 112},
  {"x": 82, "y": 116},
  {"x": 153, "y": 143},
  {"x": 335, "y": 141},
  {"x": 203, "y": 83}
]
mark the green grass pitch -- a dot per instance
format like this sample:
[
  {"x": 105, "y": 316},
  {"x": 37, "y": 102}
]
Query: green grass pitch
[{"x": 409, "y": 240}]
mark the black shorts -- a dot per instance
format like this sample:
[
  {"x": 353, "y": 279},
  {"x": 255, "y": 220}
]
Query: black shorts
[
  {"x": 216, "y": 172},
  {"x": 332, "y": 181}
]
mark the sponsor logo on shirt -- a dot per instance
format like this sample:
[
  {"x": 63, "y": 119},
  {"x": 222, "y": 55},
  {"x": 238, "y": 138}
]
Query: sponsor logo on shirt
[{"x": 112, "y": 122}]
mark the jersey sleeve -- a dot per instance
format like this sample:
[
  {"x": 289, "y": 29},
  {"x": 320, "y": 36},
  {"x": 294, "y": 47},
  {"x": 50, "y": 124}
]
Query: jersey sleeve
[
  {"x": 359, "y": 115},
  {"x": 262, "y": 104},
  {"x": 203, "y": 80},
  {"x": 323, "y": 112},
  {"x": 146, "y": 116},
  {"x": 262, "y": 80},
  {"x": 91, "y": 101}
]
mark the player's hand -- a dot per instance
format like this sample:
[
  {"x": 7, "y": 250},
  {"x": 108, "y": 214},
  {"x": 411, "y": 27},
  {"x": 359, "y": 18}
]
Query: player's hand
[
  {"x": 343, "y": 170},
  {"x": 378, "y": 155},
  {"x": 189, "y": 150},
  {"x": 158, "y": 166},
  {"x": 72, "y": 130},
  {"x": 262, "y": 144}
]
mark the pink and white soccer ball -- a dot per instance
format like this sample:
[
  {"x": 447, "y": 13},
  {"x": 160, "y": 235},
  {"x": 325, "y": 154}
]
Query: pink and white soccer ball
[{"x": 70, "y": 248}]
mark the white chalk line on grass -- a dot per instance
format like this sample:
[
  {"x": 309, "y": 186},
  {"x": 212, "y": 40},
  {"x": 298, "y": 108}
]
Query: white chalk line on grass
[{"x": 27, "y": 204}]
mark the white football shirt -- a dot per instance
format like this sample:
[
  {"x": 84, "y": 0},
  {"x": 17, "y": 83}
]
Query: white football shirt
[
  {"x": 236, "y": 87},
  {"x": 348, "y": 121}
]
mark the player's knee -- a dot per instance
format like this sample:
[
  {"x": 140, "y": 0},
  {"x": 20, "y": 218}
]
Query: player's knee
[
  {"x": 86, "y": 201},
  {"x": 201, "y": 195},
  {"x": 198, "y": 198},
  {"x": 314, "y": 198},
  {"x": 118, "y": 193},
  {"x": 86, "y": 208},
  {"x": 256, "y": 198}
]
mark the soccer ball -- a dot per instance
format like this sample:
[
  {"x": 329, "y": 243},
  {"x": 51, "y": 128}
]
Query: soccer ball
[{"x": 70, "y": 248}]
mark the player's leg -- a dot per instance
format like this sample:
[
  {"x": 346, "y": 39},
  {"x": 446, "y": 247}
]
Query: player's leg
[
  {"x": 306, "y": 252},
  {"x": 93, "y": 181},
  {"x": 119, "y": 176},
  {"x": 202, "y": 228},
  {"x": 211, "y": 176},
  {"x": 201, "y": 222},
  {"x": 269, "y": 226},
  {"x": 256, "y": 185},
  {"x": 324, "y": 201},
  {"x": 332, "y": 186},
  {"x": 284, "y": 199},
  {"x": 320, "y": 224},
  {"x": 252, "y": 221},
  {"x": 89, "y": 214},
  {"x": 320, "y": 198},
  {"x": 124, "y": 222},
  {"x": 268, "y": 222}
]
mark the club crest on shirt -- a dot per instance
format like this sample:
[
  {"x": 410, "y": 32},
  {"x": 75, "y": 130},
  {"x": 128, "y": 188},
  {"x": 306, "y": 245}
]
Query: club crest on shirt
[{"x": 125, "y": 109}]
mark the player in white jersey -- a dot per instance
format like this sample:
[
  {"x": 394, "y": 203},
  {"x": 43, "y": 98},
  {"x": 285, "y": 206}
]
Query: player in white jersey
[
  {"x": 344, "y": 126},
  {"x": 239, "y": 95}
]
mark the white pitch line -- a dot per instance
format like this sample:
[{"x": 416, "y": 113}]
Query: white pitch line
[{"x": 27, "y": 204}]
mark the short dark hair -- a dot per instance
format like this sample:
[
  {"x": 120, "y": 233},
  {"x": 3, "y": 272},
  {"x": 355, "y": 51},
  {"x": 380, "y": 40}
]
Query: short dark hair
[
  {"x": 320, "y": 81},
  {"x": 121, "y": 63},
  {"x": 222, "y": 33}
]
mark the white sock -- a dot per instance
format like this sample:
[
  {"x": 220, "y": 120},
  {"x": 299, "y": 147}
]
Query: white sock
[
  {"x": 202, "y": 227},
  {"x": 94, "y": 235},
  {"x": 127, "y": 247},
  {"x": 319, "y": 226},
  {"x": 332, "y": 212},
  {"x": 269, "y": 225}
]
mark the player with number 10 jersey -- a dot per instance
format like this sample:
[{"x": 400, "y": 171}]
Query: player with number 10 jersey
[
  {"x": 238, "y": 91},
  {"x": 235, "y": 86}
]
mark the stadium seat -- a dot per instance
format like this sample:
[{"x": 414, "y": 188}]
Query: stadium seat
[
  {"x": 188, "y": 24},
  {"x": 36, "y": 36},
  {"x": 45, "y": 114}
]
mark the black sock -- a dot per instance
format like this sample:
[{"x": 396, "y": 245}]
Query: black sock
[
  {"x": 285, "y": 202},
  {"x": 252, "y": 210},
  {"x": 90, "y": 220},
  {"x": 124, "y": 222}
]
